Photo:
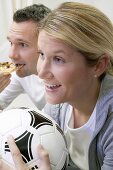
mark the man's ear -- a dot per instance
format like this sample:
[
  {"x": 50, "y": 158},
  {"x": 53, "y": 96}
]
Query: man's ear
[{"x": 102, "y": 65}]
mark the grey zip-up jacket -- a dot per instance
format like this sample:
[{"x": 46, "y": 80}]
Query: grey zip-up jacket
[{"x": 101, "y": 147}]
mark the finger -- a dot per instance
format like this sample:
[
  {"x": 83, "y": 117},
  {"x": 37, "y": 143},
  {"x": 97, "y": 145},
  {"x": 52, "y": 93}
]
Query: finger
[
  {"x": 7, "y": 74},
  {"x": 2, "y": 75},
  {"x": 16, "y": 155},
  {"x": 44, "y": 158},
  {"x": 4, "y": 84},
  {"x": 4, "y": 166},
  {"x": 4, "y": 78}
]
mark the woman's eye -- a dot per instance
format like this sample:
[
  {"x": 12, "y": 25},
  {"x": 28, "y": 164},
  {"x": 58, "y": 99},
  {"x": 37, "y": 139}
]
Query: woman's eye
[
  {"x": 10, "y": 43},
  {"x": 59, "y": 60},
  {"x": 41, "y": 55}
]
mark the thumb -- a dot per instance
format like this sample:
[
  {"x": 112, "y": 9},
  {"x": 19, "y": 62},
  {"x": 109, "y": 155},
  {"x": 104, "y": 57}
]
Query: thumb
[
  {"x": 44, "y": 158},
  {"x": 16, "y": 155}
]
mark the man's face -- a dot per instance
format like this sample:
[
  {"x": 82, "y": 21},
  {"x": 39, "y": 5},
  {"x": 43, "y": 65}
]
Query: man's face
[{"x": 23, "y": 50}]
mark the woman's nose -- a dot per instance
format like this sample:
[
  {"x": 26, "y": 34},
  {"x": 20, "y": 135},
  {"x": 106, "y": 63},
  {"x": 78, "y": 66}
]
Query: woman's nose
[{"x": 44, "y": 70}]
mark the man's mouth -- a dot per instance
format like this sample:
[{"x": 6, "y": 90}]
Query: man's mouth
[{"x": 19, "y": 66}]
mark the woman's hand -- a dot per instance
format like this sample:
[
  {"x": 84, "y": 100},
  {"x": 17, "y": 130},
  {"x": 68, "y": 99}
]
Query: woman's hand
[
  {"x": 44, "y": 163},
  {"x": 4, "y": 166},
  {"x": 4, "y": 81}
]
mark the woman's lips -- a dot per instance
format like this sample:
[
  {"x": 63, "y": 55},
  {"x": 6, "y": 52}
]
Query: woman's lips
[{"x": 52, "y": 87}]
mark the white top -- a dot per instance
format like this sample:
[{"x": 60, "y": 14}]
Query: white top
[
  {"x": 31, "y": 85},
  {"x": 80, "y": 140}
]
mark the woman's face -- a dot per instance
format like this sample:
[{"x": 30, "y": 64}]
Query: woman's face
[{"x": 66, "y": 76}]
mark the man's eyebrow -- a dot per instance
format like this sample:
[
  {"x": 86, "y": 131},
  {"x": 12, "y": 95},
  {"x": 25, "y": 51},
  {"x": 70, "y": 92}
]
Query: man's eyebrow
[
  {"x": 19, "y": 40},
  {"x": 22, "y": 40}
]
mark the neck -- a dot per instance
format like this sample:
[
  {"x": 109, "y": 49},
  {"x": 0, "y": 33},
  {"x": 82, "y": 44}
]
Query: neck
[
  {"x": 82, "y": 110},
  {"x": 80, "y": 118}
]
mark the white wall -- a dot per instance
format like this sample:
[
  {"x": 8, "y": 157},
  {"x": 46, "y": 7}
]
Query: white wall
[
  {"x": 106, "y": 6},
  {"x": 6, "y": 13},
  {"x": 54, "y": 3}
]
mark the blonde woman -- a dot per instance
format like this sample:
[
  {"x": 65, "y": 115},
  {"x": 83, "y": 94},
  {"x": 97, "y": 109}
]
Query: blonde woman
[{"x": 76, "y": 64}]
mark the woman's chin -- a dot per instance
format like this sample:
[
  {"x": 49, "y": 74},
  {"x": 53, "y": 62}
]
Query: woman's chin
[{"x": 53, "y": 100}]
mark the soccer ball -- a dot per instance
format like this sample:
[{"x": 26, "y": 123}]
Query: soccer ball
[{"x": 29, "y": 128}]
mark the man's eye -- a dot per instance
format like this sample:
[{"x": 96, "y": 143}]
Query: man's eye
[{"x": 23, "y": 45}]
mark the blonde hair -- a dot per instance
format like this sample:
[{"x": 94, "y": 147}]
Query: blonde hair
[{"x": 83, "y": 27}]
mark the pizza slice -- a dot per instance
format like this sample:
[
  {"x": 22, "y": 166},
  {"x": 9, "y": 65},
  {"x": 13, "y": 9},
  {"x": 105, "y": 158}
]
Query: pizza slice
[{"x": 8, "y": 67}]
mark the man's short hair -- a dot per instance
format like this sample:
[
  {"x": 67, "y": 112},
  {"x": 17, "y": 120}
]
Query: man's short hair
[{"x": 35, "y": 13}]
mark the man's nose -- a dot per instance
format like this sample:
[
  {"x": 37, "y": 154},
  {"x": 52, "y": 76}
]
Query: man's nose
[{"x": 13, "y": 53}]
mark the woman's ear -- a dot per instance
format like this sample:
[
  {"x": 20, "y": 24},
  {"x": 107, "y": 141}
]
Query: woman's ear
[{"x": 102, "y": 65}]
